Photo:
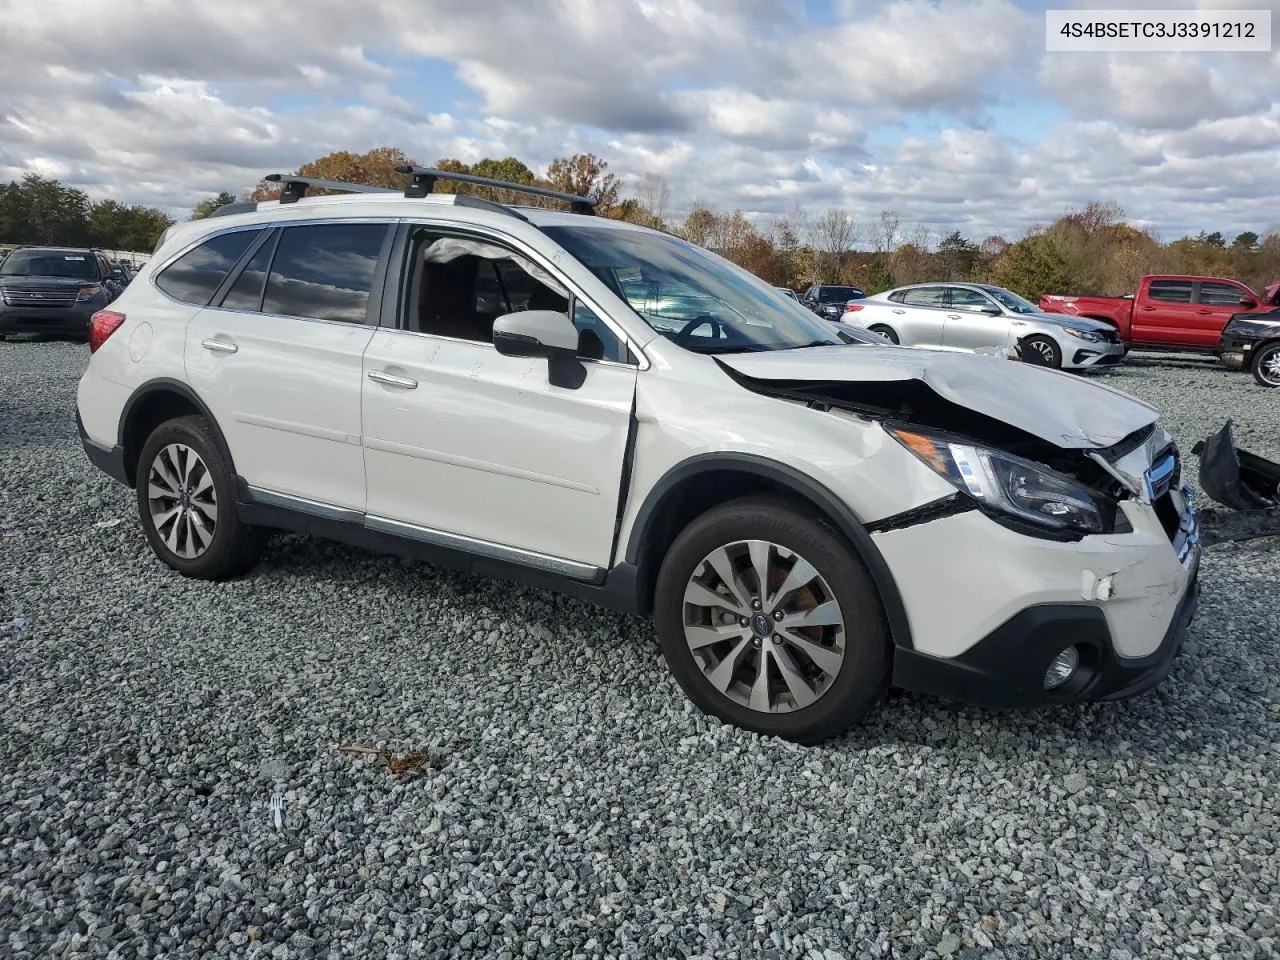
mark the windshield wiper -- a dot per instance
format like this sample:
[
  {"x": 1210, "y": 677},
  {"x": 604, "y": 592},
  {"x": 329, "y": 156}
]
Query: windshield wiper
[{"x": 815, "y": 343}]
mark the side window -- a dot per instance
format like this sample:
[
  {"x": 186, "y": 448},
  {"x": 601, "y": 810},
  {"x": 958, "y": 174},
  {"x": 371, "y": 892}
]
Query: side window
[
  {"x": 925, "y": 297},
  {"x": 196, "y": 275},
  {"x": 967, "y": 299},
  {"x": 324, "y": 272},
  {"x": 246, "y": 292},
  {"x": 459, "y": 286},
  {"x": 1220, "y": 294},
  {"x": 897, "y": 296},
  {"x": 1170, "y": 291}
]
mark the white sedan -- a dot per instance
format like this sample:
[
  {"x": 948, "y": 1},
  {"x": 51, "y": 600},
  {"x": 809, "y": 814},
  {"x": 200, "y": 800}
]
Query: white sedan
[{"x": 977, "y": 316}]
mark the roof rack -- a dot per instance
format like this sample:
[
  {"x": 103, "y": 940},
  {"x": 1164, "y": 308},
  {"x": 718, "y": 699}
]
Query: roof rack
[
  {"x": 230, "y": 209},
  {"x": 295, "y": 188},
  {"x": 424, "y": 181}
]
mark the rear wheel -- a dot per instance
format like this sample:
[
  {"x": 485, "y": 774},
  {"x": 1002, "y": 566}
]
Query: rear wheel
[
  {"x": 1266, "y": 365},
  {"x": 186, "y": 501},
  {"x": 886, "y": 332},
  {"x": 769, "y": 621},
  {"x": 1042, "y": 350}
]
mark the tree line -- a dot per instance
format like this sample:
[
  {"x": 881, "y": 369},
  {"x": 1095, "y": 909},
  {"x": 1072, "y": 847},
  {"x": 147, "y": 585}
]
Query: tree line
[
  {"x": 39, "y": 210},
  {"x": 1092, "y": 250}
]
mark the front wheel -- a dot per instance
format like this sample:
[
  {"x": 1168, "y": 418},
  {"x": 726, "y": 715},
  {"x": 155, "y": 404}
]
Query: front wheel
[
  {"x": 769, "y": 621},
  {"x": 1042, "y": 351},
  {"x": 1266, "y": 365},
  {"x": 187, "y": 503}
]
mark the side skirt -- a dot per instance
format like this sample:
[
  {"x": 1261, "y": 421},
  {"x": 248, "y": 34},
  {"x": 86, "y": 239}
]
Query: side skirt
[{"x": 614, "y": 588}]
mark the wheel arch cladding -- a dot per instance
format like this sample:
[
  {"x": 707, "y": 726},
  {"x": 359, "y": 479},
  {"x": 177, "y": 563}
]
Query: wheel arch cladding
[
  {"x": 694, "y": 486},
  {"x": 152, "y": 404}
]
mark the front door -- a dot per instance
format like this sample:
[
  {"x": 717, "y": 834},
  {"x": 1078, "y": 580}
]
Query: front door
[
  {"x": 1166, "y": 315},
  {"x": 462, "y": 441},
  {"x": 277, "y": 359},
  {"x": 967, "y": 327}
]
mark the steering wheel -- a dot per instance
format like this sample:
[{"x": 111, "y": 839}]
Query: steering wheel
[{"x": 686, "y": 332}]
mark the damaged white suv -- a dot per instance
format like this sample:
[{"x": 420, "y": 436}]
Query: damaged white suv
[{"x": 614, "y": 413}]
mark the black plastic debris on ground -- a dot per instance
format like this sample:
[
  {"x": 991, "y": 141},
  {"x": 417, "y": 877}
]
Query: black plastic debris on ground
[{"x": 1236, "y": 478}]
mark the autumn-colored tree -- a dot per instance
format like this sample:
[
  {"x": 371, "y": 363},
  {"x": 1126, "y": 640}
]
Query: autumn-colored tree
[
  {"x": 1033, "y": 267},
  {"x": 377, "y": 167},
  {"x": 585, "y": 174}
]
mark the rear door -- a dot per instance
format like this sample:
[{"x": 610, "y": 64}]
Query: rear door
[
  {"x": 919, "y": 315},
  {"x": 1164, "y": 313},
  {"x": 1216, "y": 301},
  {"x": 967, "y": 327},
  {"x": 277, "y": 357}
]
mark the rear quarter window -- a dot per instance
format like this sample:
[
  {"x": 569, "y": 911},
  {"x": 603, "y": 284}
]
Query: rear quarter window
[{"x": 196, "y": 275}]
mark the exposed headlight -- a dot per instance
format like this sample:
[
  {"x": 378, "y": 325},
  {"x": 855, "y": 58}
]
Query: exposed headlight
[
  {"x": 88, "y": 292},
  {"x": 1084, "y": 334},
  {"x": 1008, "y": 484}
]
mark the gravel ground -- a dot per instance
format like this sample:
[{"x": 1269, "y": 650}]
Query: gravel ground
[{"x": 571, "y": 802}]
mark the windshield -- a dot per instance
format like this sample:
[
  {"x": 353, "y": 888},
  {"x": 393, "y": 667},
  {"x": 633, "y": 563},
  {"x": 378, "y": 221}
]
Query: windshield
[
  {"x": 49, "y": 263},
  {"x": 698, "y": 300},
  {"x": 1012, "y": 301}
]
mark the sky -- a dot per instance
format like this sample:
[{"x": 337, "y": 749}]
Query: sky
[{"x": 948, "y": 112}]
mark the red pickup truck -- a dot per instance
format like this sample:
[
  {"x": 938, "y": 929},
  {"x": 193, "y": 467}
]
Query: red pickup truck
[{"x": 1169, "y": 312}]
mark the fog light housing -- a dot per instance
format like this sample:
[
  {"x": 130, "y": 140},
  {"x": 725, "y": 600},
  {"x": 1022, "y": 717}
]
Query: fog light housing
[{"x": 1062, "y": 669}]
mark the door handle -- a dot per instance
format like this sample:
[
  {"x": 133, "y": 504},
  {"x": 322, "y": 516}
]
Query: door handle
[
  {"x": 954, "y": 316},
  {"x": 1204, "y": 312},
  {"x": 391, "y": 380},
  {"x": 899, "y": 311},
  {"x": 218, "y": 346}
]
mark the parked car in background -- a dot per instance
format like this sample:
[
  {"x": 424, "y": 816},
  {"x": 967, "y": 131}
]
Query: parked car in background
[
  {"x": 1168, "y": 312},
  {"x": 788, "y": 292},
  {"x": 809, "y": 520},
  {"x": 972, "y": 316},
  {"x": 55, "y": 290},
  {"x": 1251, "y": 341},
  {"x": 828, "y": 300}
]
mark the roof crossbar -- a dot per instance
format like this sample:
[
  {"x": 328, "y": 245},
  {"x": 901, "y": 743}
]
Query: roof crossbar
[
  {"x": 424, "y": 181},
  {"x": 295, "y": 188}
]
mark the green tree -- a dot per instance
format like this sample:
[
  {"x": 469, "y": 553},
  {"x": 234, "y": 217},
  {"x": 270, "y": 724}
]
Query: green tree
[
  {"x": 210, "y": 204},
  {"x": 40, "y": 210},
  {"x": 957, "y": 256},
  {"x": 1246, "y": 242},
  {"x": 1033, "y": 267},
  {"x": 879, "y": 276}
]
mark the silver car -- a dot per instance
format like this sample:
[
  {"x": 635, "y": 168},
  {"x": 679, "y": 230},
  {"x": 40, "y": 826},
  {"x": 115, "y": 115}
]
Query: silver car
[{"x": 978, "y": 316}]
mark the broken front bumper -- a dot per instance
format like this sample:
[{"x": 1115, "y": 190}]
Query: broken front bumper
[{"x": 1125, "y": 602}]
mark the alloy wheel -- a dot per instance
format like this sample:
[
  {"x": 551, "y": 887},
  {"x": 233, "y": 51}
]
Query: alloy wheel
[
  {"x": 1045, "y": 349},
  {"x": 764, "y": 626},
  {"x": 182, "y": 500},
  {"x": 1269, "y": 367}
]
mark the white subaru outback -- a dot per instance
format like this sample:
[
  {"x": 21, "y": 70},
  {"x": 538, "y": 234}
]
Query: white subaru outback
[{"x": 611, "y": 412}]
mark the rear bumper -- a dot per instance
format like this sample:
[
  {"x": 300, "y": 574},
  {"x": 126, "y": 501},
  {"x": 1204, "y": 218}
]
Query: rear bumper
[
  {"x": 60, "y": 320},
  {"x": 110, "y": 460},
  {"x": 1007, "y": 667}
]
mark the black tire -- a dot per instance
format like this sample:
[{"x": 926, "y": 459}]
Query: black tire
[
  {"x": 863, "y": 675},
  {"x": 886, "y": 332},
  {"x": 234, "y": 547},
  {"x": 1042, "y": 351},
  {"x": 1267, "y": 357}
]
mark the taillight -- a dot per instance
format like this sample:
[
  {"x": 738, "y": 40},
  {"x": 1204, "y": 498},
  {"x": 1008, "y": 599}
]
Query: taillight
[
  {"x": 102, "y": 325},
  {"x": 852, "y": 307}
]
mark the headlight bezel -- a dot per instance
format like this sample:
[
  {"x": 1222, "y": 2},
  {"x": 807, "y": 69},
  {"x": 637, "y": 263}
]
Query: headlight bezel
[
  {"x": 88, "y": 291},
  {"x": 987, "y": 489},
  {"x": 1087, "y": 335}
]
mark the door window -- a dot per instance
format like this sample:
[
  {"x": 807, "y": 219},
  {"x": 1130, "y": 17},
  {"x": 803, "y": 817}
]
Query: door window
[
  {"x": 325, "y": 271},
  {"x": 967, "y": 299},
  {"x": 925, "y": 297},
  {"x": 246, "y": 292},
  {"x": 1220, "y": 294},
  {"x": 458, "y": 286},
  {"x": 1170, "y": 291},
  {"x": 197, "y": 274}
]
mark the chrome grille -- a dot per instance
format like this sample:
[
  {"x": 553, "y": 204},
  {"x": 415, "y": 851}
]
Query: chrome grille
[{"x": 40, "y": 297}]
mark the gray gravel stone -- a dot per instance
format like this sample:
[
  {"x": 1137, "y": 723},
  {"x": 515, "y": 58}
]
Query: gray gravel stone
[{"x": 575, "y": 804}]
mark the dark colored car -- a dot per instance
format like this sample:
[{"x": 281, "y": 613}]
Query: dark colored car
[
  {"x": 1251, "y": 341},
  {"x": 828, "y": 300},
  {"x": 55, "y": 290}
]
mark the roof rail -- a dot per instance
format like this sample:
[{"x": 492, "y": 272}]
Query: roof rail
[
  {"x": 424, "y": 181},
  {"x": 295, "y": 188},
  {"x": 229, "y": 209}
]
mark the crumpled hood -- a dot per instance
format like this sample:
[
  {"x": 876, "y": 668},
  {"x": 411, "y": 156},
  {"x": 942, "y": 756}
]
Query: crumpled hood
[{"x": 1059, "y": 408}]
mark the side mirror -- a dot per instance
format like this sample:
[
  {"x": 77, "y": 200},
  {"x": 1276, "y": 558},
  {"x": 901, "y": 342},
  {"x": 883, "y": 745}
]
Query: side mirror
[
  {"x": 990, "y": 309},
  {"x": 1248, "y": 302},
  {"x": 542, "y": 333}
]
